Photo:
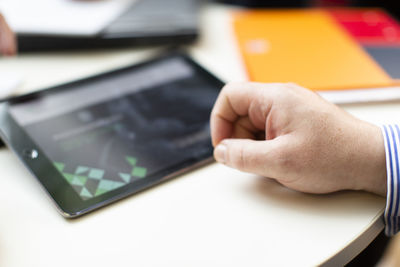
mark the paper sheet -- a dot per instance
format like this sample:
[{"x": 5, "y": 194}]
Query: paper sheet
[
  {"x": 61, "y": 17},
  {"x": 9, "y": 81},
  {"x": 362, "y": 95}
]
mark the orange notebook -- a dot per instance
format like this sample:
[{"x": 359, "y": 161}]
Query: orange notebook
[{"x": 306, "y": 47}]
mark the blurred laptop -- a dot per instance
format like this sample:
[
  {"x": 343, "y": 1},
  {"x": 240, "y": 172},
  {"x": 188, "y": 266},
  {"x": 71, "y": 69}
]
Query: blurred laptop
[{"x": 80, "y": 24}]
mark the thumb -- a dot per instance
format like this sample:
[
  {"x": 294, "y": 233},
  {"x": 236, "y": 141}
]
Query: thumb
[{"x": 248, "y": 155}]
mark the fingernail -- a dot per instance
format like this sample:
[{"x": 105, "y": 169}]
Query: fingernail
[{"x": 220, "y": 153}]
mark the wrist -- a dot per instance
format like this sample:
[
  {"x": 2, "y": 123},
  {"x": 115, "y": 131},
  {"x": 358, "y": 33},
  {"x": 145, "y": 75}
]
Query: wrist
[{"x": 372, "y": 177}]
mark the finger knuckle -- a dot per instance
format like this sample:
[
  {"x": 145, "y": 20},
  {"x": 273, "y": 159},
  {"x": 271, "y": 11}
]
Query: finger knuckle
[
  {"x": 288, "y": 91},
  {"x": 233, "y": 86},
  {"x": 279, "y": 92},
  {"x": 292, "y": 85},
  {"x": 288, "y": 88},
  {"x": 239, "y": 158}
]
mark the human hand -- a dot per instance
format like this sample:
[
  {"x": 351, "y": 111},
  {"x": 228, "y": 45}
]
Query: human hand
[
  {"x": 8, "y": 42},
  {"x": 291, "y": 134}
]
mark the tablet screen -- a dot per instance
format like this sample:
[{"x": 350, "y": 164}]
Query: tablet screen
[{"x": 130, "y": 128}]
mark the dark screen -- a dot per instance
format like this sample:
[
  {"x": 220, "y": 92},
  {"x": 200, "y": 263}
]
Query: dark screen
[{"x": 104, "y": 144}]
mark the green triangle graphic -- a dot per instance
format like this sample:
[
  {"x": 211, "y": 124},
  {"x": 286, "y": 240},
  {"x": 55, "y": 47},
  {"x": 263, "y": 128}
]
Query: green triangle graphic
[
  {"x": 60, "y": 166},
  {"x": 81, "y": 169},
  {"x": 83, "y": 179},
  {"x": 139, "y": 172},
  {"x": 96, "y": 174},
  {"x": 79, "y": 180},
  {"x": 131, "y": 160},
  {"x": 86, "y": 193},
  {"x": 100, "y": 191},
  {"x": 109, "y": 185},
  {"x": 69, "y": 177},
  {"x": 124, "y": 176}
]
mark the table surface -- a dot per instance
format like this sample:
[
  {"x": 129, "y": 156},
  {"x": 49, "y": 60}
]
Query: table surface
[{"x": 213, "y": 216}]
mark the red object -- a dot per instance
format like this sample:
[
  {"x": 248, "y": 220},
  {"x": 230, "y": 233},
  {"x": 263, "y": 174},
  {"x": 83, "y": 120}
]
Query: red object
[{"x": 369, "y": 26}]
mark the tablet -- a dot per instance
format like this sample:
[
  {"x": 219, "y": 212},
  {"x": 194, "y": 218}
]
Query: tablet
[{"x": 97, "y": 140}]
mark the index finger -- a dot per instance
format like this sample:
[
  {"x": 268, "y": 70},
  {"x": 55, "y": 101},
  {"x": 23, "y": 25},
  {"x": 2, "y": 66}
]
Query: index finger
[{"x": 239, "y": 100}]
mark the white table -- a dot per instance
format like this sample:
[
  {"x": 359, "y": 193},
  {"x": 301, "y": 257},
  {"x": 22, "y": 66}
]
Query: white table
[{"x": 214, "y": 216}]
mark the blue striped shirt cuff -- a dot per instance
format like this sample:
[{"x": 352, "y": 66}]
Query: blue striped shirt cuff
[{"x": 391, "y": 136}]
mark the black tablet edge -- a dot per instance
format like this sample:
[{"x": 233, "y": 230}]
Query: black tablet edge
[{"x": 31, "y": 43}]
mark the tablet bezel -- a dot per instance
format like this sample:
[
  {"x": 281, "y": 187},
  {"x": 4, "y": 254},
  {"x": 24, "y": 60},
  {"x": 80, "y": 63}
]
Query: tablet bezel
[{"x": 69, "y": 204}]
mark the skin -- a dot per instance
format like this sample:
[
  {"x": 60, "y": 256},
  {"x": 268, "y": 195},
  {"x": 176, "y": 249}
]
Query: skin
[
  {"x": 8, "y": 41},
  {"x": 291, "y": 134}
]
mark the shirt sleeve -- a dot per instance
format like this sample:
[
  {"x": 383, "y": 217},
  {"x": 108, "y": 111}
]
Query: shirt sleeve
[{"x": 391, "y": 136}]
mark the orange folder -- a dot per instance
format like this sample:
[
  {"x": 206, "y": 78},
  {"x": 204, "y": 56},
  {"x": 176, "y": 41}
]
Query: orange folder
[{"x": 306, "y": 47}]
